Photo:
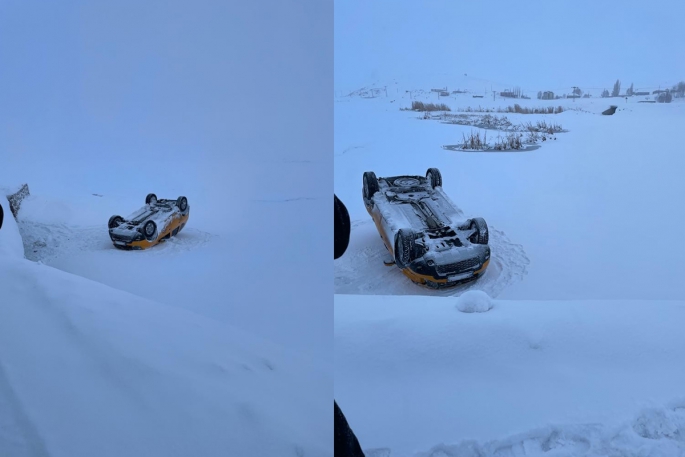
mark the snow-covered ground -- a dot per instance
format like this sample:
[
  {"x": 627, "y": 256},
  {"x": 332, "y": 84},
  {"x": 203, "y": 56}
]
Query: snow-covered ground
[
  {"x": 86, "y": 369},
  {"x": 571, "y": 343},
  {"x": 578, "y": 218},
  {"x": 580, "y": 354},
  {"x": 416, "y": 376},
  {"x": 217, "y": 342}
]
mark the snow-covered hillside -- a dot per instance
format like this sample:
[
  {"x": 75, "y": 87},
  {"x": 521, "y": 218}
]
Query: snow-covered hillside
[{"x": 86, "y": 370}]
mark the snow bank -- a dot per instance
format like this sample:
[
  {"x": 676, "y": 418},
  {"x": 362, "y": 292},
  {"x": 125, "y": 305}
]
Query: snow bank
[
  {"x": 656, "y": 431},
  {"x": 90, "y": 370},
  {"x": 411, "y": 373}
]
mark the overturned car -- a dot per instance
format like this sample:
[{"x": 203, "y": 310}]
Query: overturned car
[
  {"x": 155, "y": 222},
  {"x": 424, "y": 231}
]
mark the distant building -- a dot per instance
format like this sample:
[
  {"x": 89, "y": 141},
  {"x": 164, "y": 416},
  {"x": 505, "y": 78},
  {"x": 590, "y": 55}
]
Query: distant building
[
  {"x": 548, "y": 95},
  {"x": 640, "y": 93}
]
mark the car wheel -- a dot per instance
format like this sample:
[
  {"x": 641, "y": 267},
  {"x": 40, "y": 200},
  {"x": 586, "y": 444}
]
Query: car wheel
[
  {"x": 481, "y": 235},
  {"x": 434, "y": 177},
  {"x": 149, "y": 229},
  {"x": 370, "y": 185},
  {"x": 115, "y": 221},
  {"x": 405, "y": 243},
  {"x": 182, "y": 203},
  {"x": 151, "y": 199}
]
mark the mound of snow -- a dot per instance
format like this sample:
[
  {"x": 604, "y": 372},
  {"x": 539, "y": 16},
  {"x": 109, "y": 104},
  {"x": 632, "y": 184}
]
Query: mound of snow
[
  {"x": 10, "y": 240},
  {"x": 88, "y": 370},
  {"x": 474, "y": 301}
]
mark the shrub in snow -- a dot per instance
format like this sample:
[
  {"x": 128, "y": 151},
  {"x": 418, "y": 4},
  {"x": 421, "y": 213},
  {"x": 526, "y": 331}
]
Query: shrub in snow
[
  {"x": 511, "y": 141},
  {"x": 420, "y": 106},
  {"x": 474, "y": 141},
  {"x": 474, "y": 301}
]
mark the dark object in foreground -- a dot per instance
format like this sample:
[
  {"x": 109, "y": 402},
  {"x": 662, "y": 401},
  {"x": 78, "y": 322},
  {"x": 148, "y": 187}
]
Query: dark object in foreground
[
  {"x": 610, "y": 111},
  {"x": 424, "y": 231},
  {"x": 346, "y": 443},
  {"x": 341, "y": 227},
  {"x": 157, "y": 221},
  {"x": 2, "y": 216}
]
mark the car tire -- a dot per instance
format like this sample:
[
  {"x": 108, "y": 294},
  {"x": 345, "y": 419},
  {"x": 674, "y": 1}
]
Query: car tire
[
  {"x": 370, "y": 185},
  {"x": 150, "y": 199},
  {"x": 115, "y": 221},
  {"x": 149, "y": 230},
  {"x": 434, "y": 177},
  {"x": 182, "y": 203},
  {"x": 405, "y": 243},
  {"x": 482, "y": 235},
  {"x": 2, "y": 215}
]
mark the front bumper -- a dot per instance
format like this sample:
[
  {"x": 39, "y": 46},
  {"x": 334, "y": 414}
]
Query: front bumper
[{"x": 437, "y": 278}]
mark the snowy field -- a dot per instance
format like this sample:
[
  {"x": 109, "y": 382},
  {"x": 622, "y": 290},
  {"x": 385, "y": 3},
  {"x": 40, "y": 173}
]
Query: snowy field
[
  {"x": 217, "y": 342},
  {"x": 578, "y": 348},
  {"x": 577, "y": 218},
  {"x": 580, "y": 355}
]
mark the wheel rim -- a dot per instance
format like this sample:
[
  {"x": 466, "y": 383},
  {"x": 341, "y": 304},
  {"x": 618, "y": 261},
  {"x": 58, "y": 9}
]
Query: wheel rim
[
  {"x": 153, "y": 200},
  {"x": 149, "y": 229},
  {"x": 366, "y": 188},
  {"x": 184, "y": 204},
  {"x": 429, "y": 176}
]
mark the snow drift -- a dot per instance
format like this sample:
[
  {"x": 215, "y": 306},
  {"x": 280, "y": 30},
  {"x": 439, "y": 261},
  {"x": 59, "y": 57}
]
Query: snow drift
[
  {"x": 90, "y": 370},
  {"x": 413, "y": 373}
]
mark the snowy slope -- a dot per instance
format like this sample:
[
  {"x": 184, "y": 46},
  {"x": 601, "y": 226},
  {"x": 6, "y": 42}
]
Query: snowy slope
[
  {"x": 417, "y": 377},
  {"x": 90, "y": 370}
]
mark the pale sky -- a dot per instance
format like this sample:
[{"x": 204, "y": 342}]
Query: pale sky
[
  {"x": 534, "y": 44},
  {"x": 87, "y": 79}
]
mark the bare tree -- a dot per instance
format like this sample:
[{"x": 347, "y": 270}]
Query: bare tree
[{"x": 617, "y": 89}]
